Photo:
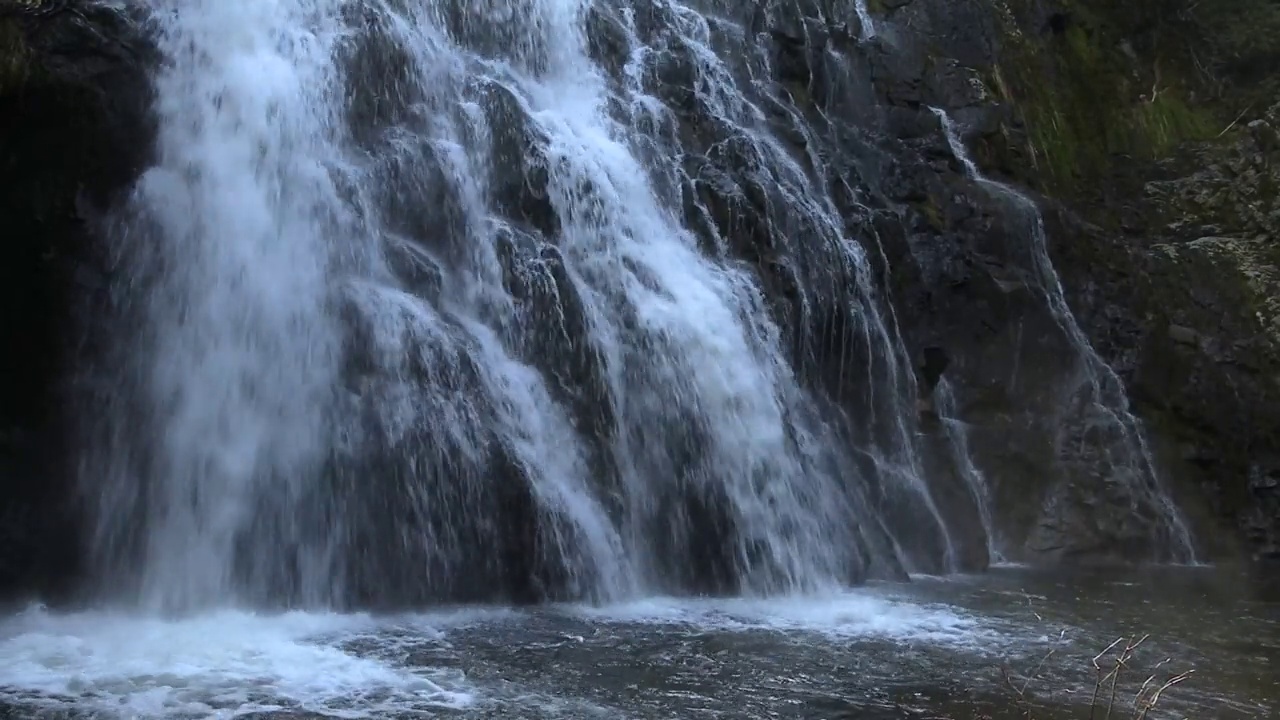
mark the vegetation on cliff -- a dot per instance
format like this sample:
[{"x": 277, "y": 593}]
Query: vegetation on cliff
[
  {"x": 1100, "y": 83},
  {"x": 13, "y": 55},
  {"x": 1154, "y": 122}
]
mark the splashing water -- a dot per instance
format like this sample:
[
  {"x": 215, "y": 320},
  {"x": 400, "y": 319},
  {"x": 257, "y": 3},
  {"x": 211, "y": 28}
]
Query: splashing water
[
  {"x": 240, "y": 227},
  {"x": 221, "y": 664}
]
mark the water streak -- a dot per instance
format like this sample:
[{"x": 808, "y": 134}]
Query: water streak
[
  {"x": 864, "y": 17},
  {"x": 975, "y": 481},
  {"x": 1097, "y": 392},
  {"x": 236, "y": 348}
]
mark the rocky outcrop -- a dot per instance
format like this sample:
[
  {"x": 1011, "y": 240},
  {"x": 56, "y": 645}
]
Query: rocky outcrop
[
  {"x": 1146, "y": 128},
  {"x": 1209, "y": 366},
  {"x": 74, "y": 131},
  {"x": 1160, "y": 223}
]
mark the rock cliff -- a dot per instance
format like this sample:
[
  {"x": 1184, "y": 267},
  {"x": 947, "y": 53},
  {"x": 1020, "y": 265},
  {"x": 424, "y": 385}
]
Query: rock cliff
[
  {"x": 74, "y": 119},
  {"x": 1151, "y": 129},
  {"x": 1148, "y": 128},
  {"x": 1143, "y": 130}
]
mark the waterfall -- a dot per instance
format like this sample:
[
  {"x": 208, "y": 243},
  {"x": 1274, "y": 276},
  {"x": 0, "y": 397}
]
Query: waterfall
[
  {"x": 504, "y": 299},
  {"x": 864, "y": 17},
  {"x": 1096, "y": 394},
  {"x": 975, "y": 481},
  {"x": 240, "y": 226}
]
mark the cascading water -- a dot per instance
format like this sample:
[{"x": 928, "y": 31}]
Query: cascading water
[
  {"x": 958, "y": 437},
  {"x": 468, "y": 301},
  {"x": 864, "y": 17},
  {"x": 237, "y": 351},
  {"x": 1095, "y": 398}
]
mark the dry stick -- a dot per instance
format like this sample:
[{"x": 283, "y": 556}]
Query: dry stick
[
  {"x": 1021, "y": 692},
  {"x": 1137, "y": 699},
  {"x": 1097, "y": 686},
  {"x": 1036, "y": 671},
  {"x": 1233, "y": 122},
  {"x": 1151, "y": 703},
  {"x": 1144, "y": 702},
  {"x": 1121, "y": 663}
]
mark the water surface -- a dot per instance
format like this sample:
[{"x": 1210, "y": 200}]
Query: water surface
[{"x": 933, "y": 648}]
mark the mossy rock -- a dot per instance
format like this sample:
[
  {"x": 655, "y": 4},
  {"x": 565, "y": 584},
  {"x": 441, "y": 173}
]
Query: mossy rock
[
  {"x": 1246, "y": 271},
  {"x": 1096, "y": 90},
  {"x": 14, "y": 56}
]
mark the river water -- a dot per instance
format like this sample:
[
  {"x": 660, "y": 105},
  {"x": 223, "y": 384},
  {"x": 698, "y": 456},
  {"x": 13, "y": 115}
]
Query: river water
[{"x": 932, "y": 648}]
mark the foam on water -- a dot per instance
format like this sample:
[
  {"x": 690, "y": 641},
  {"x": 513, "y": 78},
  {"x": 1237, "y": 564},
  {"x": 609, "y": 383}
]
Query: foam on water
[
  {"x": 860, "y": 614},
  {"x": 230, "y": 663},
  {"x": 215, "y": 665}
]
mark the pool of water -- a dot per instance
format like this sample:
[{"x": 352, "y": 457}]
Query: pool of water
[{"x": 958, "y": 647}]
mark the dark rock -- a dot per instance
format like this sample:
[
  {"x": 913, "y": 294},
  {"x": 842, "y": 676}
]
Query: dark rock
[
  {"x": 75, "y": 131},
  {"x": 1184, "y": 335}
]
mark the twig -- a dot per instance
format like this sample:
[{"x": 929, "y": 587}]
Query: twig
[
  {"x": 1122, "y": 662},
  {"x": 1097, "y": 686},
  {"x": 1137, "y": 698},
  {"x": 1121, "y": 651},
  {"x": 1036, "y": 671},
  {"x": 1233, "y": 122},
  {"x": 1155, "y": 697}
]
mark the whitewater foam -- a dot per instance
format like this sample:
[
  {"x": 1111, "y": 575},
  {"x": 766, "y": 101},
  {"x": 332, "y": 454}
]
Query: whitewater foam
[
  {"x": 859, "y": 614},
  {"x": 229, "y": 663},
  {"x": 219, "y": 664}
]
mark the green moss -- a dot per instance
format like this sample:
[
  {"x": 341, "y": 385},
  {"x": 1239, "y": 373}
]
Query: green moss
[
  {"x": 13, "y": 56},
  {"x": 932, "y": 213},
  {"x": 1087, "y": 98}
]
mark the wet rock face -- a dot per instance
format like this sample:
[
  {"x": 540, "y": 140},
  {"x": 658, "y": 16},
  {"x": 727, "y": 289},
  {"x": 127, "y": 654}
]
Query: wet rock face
[
  {"x": 74, "y": 131},
  {"x": 1178, "y": 294},
  {"x": 1161, "y": 228},
  {"x": 1209, "y": 357},
  {"x": 1164, "y": 249}
]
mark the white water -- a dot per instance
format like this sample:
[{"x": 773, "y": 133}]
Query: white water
[
  {"x": 216, "y": 665},
  {"x": 238, "y": 351},
  {"x": 846, "y": 616},
  {"x": 1097, "y": 386},
  {"x": 864, "y": 17},
  {"x": 228, "y": 663},
  {"x": 318, "y": 423}
]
